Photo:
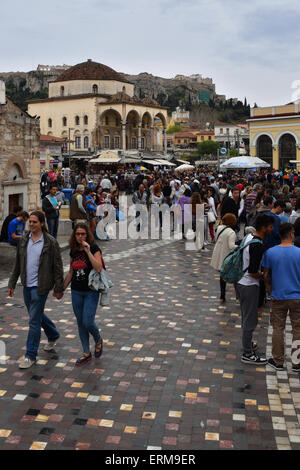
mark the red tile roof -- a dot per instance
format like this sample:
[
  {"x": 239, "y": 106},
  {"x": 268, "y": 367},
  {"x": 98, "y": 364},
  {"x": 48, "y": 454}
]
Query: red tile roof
[{"x": 90, "y": 70}]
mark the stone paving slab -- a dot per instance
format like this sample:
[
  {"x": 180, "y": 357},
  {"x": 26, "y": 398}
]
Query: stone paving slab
[{"x": 170, "y": 376}]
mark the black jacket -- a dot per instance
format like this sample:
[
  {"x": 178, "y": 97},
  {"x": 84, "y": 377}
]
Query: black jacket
[
  {"x": 230, "y": 206},
  {"x": 49, "y": 210}
]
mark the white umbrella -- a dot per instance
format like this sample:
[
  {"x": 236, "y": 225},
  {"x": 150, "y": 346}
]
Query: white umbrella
[
  {"x": 244, "y": 162},
  {"x": 185, "y": 167}
]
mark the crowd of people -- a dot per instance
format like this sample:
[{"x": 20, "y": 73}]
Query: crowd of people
[{"x": 256, "y": 213}]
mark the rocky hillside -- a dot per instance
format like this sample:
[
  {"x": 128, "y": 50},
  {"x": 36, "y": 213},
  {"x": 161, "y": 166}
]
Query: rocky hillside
[
  {"x": 170, "y": 92},
  {"x": 193, "y": 93},
  {"x": 22, "y": 86}
]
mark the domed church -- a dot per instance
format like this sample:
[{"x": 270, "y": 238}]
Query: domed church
[{"x": 96, "y": 107}]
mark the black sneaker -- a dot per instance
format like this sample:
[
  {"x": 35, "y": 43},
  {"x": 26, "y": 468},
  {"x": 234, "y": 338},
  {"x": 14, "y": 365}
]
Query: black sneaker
[
  {"x": 296, "y": 368},
  {"x": 253, "y": 359},
  {"x": 273, "y": 364},
  {"x": 83, "y": 359}
]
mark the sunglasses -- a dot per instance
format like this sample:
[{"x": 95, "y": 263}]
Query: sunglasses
[{"x": 80, "y": 234}]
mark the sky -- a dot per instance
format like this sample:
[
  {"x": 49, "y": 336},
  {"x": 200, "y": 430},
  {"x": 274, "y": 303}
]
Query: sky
[{"x": 249, "y": 48}]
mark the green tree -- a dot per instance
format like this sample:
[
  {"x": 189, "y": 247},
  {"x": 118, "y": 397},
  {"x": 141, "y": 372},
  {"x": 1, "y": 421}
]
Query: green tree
[
  {"x": 208, "y": 147},
  {"x": 173, "y": 129},
  {"x": 233, "y": 153}
]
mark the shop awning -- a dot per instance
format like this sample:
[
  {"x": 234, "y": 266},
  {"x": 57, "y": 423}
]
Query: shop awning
[
  {"x": 151, "y": 162},
  {"x": 106, "y": 157},
  {"x": 166, "y": 162},
  {"x": 131, "y": 160}
]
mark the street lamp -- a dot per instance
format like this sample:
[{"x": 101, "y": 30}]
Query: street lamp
[
  {"x": 70, "y": 129},
  {"x": 238, "y": 141},
  {"x": 228, "y": 142}
]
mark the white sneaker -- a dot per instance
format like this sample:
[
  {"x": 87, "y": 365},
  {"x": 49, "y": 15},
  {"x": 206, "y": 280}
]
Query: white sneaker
[
  {"x": 26, "y": 363},
  {"x": 50, "y": 346}
]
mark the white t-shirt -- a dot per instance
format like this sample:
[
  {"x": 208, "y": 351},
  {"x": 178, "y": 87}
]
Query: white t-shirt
[{"x": 247, "y": 280}]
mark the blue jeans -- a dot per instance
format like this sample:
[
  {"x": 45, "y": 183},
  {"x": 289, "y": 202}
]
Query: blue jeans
[
  {"x": 53, "y": 226},
  {"x": 35, "y": 304},
  {"x": 85, "y": 306}
]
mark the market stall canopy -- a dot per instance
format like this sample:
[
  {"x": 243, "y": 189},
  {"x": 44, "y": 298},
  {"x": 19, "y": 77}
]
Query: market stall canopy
[
  {"x": 244, "y": 162},
  {"x": 151, "y": 162},
  {"x": 131, "y": 160},
  {"x": 185, "y": 167},
  {"x": 106, "y": 157},
  {"x": 165, "y": 162}
]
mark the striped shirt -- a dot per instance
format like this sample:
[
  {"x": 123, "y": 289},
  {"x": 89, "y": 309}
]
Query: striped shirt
[{"x": 249, "y": 201}]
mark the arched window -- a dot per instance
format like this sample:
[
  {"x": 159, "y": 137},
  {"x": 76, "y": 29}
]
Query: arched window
[
  {"x": 95, "y": 89},
  {"x": 133, "y": 143},
  {"x": 106, "y": 120},
  {"x": 62, "y": 91},
  {"x": 106, "y": 141},
  {"x": 86, "y": 120},
  {"x": 77, "y": 121},
  {"x": 117, "y": 142},
  {"x": 49, "y": 122},
  {"x": 78, "y": 142},
  {"x": 64, "y": 121},
  {"x": 86, "y": 142}
]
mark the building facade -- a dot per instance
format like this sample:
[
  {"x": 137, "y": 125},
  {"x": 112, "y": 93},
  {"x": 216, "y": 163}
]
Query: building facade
[
  {"x": 231, "y": 135},
  {"x": 192, "y": 137},
  {"x": 51, "y": 150},
  {"x": 275, "y": 134},
  {"x": 19, "y": 158},
  {"x": 180, "y": 113},
  {"x": 93, "y": 106}
]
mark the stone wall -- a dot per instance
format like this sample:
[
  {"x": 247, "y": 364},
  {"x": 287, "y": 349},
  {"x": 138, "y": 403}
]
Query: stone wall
[{"x": 19, "y": 158}]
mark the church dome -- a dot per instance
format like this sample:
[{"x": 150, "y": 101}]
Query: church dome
[{"x": 90, "y": 70}]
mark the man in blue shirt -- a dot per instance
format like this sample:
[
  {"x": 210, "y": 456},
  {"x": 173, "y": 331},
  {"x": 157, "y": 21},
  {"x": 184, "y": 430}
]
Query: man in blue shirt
[
  {"x": 282, "y": 277},
  {"x": 274, "y": 238},
  {"x": 16, "y": 228}
]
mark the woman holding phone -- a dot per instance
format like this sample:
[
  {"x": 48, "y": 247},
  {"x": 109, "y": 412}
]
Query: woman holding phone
[{"x": 85, "y": 255}]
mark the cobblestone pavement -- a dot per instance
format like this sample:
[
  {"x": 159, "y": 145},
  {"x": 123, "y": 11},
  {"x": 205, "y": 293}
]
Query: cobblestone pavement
[{"x": 170, "y": 376}]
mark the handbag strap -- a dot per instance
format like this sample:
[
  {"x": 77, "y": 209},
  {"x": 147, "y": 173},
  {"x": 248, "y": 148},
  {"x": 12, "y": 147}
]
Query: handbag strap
[{"x": 223, "y": 230}]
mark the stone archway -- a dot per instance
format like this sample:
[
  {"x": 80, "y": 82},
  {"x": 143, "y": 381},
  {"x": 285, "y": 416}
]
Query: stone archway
[
  {"x": 264, "y": 149},
  {"x": 15, "y": 165},
  {"x": 15, "y": 185},
  {"x": 110, "y": 130},
  {"x": 287, "y": 150},
  {"x": 132, "y": 130}
]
